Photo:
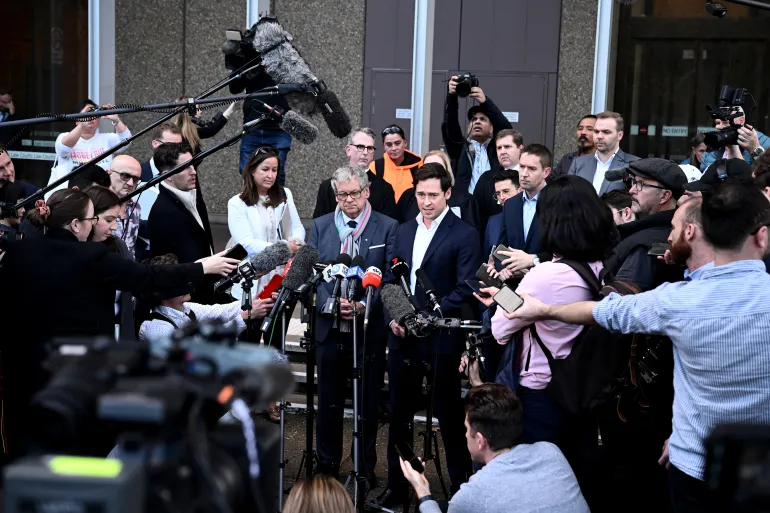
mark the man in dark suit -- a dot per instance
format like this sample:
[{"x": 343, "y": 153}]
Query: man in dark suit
[
  {"x": 360, "y": 153},
  {"x": 520, "y": 230},
  {"x": 608, "y": 132},
  {"x": 356, "y": 229},
  {"x": 447, "y": 250},
  {"x": 584, "y": 135},
  {"x": 179, "y": 221},
  {"x": 506, "y": 186}
]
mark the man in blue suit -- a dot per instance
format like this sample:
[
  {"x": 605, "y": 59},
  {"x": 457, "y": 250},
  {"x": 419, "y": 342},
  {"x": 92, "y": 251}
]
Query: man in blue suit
[
  {"x": 520, "y": 230},
  {"x": 447, "y": 249},
  {"x": 355, "y": 229}
]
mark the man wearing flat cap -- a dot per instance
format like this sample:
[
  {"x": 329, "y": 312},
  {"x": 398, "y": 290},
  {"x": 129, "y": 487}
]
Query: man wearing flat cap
[
  {"x": 718, "y": 172},
  {"x": 475, "y": 154},
  {"x": 655, "y": 187}
]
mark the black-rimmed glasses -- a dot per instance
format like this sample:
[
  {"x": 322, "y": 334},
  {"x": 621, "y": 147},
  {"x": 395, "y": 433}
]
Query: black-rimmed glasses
[
  {"x": 342, "y": 196},
  {"x": 128, "y": 176},
  {"x": 641, "y": 185},
  {"x": 363, "y": 149}
]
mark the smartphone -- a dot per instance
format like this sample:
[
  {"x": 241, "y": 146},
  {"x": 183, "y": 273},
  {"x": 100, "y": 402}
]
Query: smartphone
[
  {"x": 407, "y": 454},
  {"x": 496, "y": 252},
  {"x": 508, "y": 299},
  {"x": 477, "y": 285},
  {"x": 237, "y": 252},
  {"x": 483, "y": 275},
  {"x": 658, "y": 249}
]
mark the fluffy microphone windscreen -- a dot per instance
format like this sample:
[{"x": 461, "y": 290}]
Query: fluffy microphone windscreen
[
  {"x": 299, "y": 128},
  {"x": 301, "y": 267},
  {"x": 273, "y": 256},
  {"x": 395, "y": 301},
  {"x": 335, "y": 116}
]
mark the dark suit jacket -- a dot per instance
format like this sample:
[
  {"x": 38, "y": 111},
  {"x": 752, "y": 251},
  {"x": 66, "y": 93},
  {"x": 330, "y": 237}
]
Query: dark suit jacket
[
  {"x": 585, "y": 167},
  {"x": 452, "y": 257},
  {"x": 493, "y": 233},
  {"x": 211, "y": 128},
  {"x": 512, "y": 231},
  {"x": 562, "y": 168},
  {"x": 173, "y": 229},
  {"x": 381, "y": 197},
  {"x": 146, "y": 171},
  {"x": 377, "y": 246}
]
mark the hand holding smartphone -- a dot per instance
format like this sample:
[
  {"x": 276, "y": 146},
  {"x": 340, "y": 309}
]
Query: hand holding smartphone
[{"x": 407, "y": 454}]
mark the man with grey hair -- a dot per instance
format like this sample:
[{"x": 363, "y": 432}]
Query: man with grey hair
[
  {"x": 360, "y": 152},
  {"x": 354, "y": 228}
]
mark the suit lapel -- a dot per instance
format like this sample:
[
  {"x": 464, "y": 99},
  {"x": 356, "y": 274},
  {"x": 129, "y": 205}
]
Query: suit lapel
[
  {"x": 618, "y": 161},
  {"x": 591, "y": 169},
  {"x": 180, "y": 206},
  {"x": 368, "y": 235},
  {"x": 532, "y": 229},
  {"x": 406, "y": 234},
  {"x": 518, "y": 221},
  {"x": 441, "y": 233}
]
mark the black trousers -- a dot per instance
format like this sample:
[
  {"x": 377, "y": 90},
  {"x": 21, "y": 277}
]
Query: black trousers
[
  {"x": 690, "y": 495},
  {"x": 334, "y": 358},
  {"x": 407, "y": 366}
]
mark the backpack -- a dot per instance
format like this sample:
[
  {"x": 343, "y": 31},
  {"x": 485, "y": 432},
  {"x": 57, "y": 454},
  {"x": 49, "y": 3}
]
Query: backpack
[{"x": 588, "y": 377}]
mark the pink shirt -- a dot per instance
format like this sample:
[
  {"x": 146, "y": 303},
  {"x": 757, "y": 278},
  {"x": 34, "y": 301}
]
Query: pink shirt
[{"x": 555, "y": 284}]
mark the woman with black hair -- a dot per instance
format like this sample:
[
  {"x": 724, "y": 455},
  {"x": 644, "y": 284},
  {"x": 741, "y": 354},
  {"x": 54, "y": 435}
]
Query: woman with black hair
[
  {"x": 60, "y": 285},
  {"x": 575, "y": 225}
]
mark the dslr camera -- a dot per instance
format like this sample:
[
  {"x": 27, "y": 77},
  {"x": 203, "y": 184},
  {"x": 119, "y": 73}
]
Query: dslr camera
[
  {"x": 465, "y": 82},
  {"x": 731, "y": 102}
]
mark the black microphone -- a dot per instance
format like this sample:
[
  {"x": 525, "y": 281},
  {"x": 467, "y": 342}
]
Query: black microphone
[
  {"x": 331, "y": 109},
  {"x": 292, "y": 123},
  {"x": 339, "y": 272},
  {"x": 286, "y": 88},
  {"x": 434, "y": 303},
  {"x": 401, "y": 271},
  {"x": 399, "y": 307},
  {"x": 354, "y": 275},
  {"x": 261, "y": 263},
  {"x": 300, "y": 271}
]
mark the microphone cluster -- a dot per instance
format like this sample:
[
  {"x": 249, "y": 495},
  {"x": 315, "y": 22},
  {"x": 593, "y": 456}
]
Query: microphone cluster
[{"x": 259, "y": 265}]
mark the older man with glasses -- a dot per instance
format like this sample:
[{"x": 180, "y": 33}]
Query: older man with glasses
[
  {"x": 360, "y": 153},
  {"x": 125, "y": 174}
]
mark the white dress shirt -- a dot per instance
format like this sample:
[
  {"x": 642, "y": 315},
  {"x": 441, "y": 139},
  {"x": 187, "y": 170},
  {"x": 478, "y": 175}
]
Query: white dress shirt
[
  {"x": 229, "y": 314},
  {"x": 421, "y": 242},
  {"x": 601, "y": 170}
]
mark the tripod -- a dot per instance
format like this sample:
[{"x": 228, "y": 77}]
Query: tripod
[
  {"x": 429, "y": 436},
  {"x": 284, "y": 404},
  {"x": 355, "y": 474},
  {"x": 309, "y": 457}
]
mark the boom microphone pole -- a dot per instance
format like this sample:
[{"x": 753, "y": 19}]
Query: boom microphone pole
[{"x": 122, "y": 144}]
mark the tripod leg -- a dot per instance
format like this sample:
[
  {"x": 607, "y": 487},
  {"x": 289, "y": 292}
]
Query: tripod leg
[{"x": 437, "y": 462}]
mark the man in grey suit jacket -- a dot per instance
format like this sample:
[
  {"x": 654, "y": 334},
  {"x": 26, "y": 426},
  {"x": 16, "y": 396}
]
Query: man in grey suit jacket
[
  {"x": 356, "y": 229},
  {"x": 608, "y": 132}
]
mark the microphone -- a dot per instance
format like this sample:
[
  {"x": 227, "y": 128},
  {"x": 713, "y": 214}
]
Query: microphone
[
  {"x": 300, "y": 271},
  {"x": 292, "y": 123},
  {"x": 261, "y": 263},
  {"x": 399, "y": 307},
  {"x": 434, "y": 303},
  {"x": 354, "y": 275},
  {"x": 285, "y": 65},
  {"x": 401, "y": 271},
  {"x": 338, "y": 272},
  {"x": 285, "y": 89},
  {"x": 371, "y": 282}
]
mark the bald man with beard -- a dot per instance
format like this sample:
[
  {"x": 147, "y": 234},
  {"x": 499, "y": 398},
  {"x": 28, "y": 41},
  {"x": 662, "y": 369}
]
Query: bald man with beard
[{"x": 125, "y": 173}]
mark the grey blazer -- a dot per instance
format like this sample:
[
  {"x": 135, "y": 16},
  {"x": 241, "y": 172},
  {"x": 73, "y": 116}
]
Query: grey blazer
[{"x": 585, "y": 167}]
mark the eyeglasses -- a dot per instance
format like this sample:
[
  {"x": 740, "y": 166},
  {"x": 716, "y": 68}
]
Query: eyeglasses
[
  {"x": 128, "y": 176},
  {"x": 641, "y": 185},
  {"x": 94, "y": 219},
  {"x": 393, "y": 130},
  {"x": 363, "y": 149},
  {"x": 342, "y": 196},
  {"x": 497, "y": 195}
]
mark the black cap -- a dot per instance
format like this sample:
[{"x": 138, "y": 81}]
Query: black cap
[
  {"x": 664, "y": 171},
  {"x": 476, "y": 108},
  {"x": 173, "y": 292},
  {"x": 718, "y": 172}
]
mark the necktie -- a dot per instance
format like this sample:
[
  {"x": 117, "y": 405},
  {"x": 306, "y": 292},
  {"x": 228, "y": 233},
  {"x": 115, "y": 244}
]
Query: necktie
[
  {"x": 353, "y": 224},
  {"x": 351, "y": 241},
  {"x": 688, "y": 278}
]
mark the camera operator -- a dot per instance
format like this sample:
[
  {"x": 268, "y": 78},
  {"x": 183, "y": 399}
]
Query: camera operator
[
  {"x": 269, "y": 132},
  {"x": 448, "y": 250},
  {"x": 516, "y": 476},
  {"x": 713, "y": 384},
  {"x": 475, "y": 154},
  {"x": 751, "y": 143},
  {"x": 81, "y": 277}
]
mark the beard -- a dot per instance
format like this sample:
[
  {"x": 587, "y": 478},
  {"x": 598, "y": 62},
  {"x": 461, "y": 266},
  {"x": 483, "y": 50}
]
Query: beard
[
  {"x": 680, "y": 250},
  {"x": 584, "y": 144}
]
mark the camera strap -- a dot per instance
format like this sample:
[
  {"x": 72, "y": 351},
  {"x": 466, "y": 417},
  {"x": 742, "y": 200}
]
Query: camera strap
[{"x": 160, "y": 317}]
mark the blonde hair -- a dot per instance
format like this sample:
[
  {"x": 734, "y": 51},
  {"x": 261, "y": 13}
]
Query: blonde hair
[
  {"x": 321, "y": 494},
  {"x": 444, "y": 162},
  {"x": 188, "y": 128}
]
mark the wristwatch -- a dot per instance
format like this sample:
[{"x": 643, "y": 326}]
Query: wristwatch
[
  {"x": 759, "y": 150},
  {"x": 536, "y": 261}
]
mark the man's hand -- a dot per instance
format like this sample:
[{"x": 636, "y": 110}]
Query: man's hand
[
  {"x": 11, "y": 108},
  {"x": 532, "y": 310},
  {"x": 487, "y": 301},
  {"x": 517, "y": 260},
  {"x": 663, "y": 460},
  {"x": 229, "y": 111},
  {"x": 473, "y": 370},
  {"x": 218, "y": 264},
  {"x": 667, "y": 258},
  {"x": 260, "y": 308},
  {"x": 294, "y": 246},
  {"x": 397, "y": 329},
  {"x": 112, "y": 117},
  {"x": 453, "y": 85},
  {"x": 417, "y": 480},
  {"x": 346, "y": 308},
  {"x": 747, "y": 138},
  {"x": 478, "y": 95}
]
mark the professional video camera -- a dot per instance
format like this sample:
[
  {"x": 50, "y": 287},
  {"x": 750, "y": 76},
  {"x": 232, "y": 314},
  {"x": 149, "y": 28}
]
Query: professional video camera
[
  {"x": 465, "y": 82},
  {"x": 731, "y": 107},
  {"x": 163, "y": 403}
]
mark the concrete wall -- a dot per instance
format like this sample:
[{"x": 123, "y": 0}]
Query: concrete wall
[{"x": 576, "y": 68}]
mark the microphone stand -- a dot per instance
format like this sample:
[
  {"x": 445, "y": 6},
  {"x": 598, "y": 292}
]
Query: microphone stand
[
  {"x": 284, "y": 404},
  {"x": 78, "y": 170},
  {"x": 355, "y": 474},
  {"x": 246, "y": 303}
]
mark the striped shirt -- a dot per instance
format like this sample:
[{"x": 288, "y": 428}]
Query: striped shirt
[{"x": 720, "y": 328}]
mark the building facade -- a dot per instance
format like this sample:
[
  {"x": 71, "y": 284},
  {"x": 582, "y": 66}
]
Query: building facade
[{"x": 546, "y": 63}]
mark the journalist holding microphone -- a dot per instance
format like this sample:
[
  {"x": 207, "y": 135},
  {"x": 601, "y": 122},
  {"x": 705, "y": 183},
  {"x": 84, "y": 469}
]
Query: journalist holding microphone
[
  {"x": 352, "y": 230},
  {"x": 65, "y": 286}
]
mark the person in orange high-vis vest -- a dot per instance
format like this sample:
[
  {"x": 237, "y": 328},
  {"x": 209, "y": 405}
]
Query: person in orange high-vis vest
[{"x": 397, "y": 165}]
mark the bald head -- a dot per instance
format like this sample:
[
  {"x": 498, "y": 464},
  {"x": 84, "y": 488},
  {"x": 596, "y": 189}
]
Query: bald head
[{"x": 125, "y": 172}]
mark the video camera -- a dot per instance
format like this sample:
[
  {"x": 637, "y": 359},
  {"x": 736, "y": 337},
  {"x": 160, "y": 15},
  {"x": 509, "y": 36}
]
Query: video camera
[
  {"x": 731, "y": 102},
  {"x": 465, "y": 83},
  {"x": 167, "y": 415}
]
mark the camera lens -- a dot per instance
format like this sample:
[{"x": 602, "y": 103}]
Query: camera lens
[{"x": 721, "y": 138}]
